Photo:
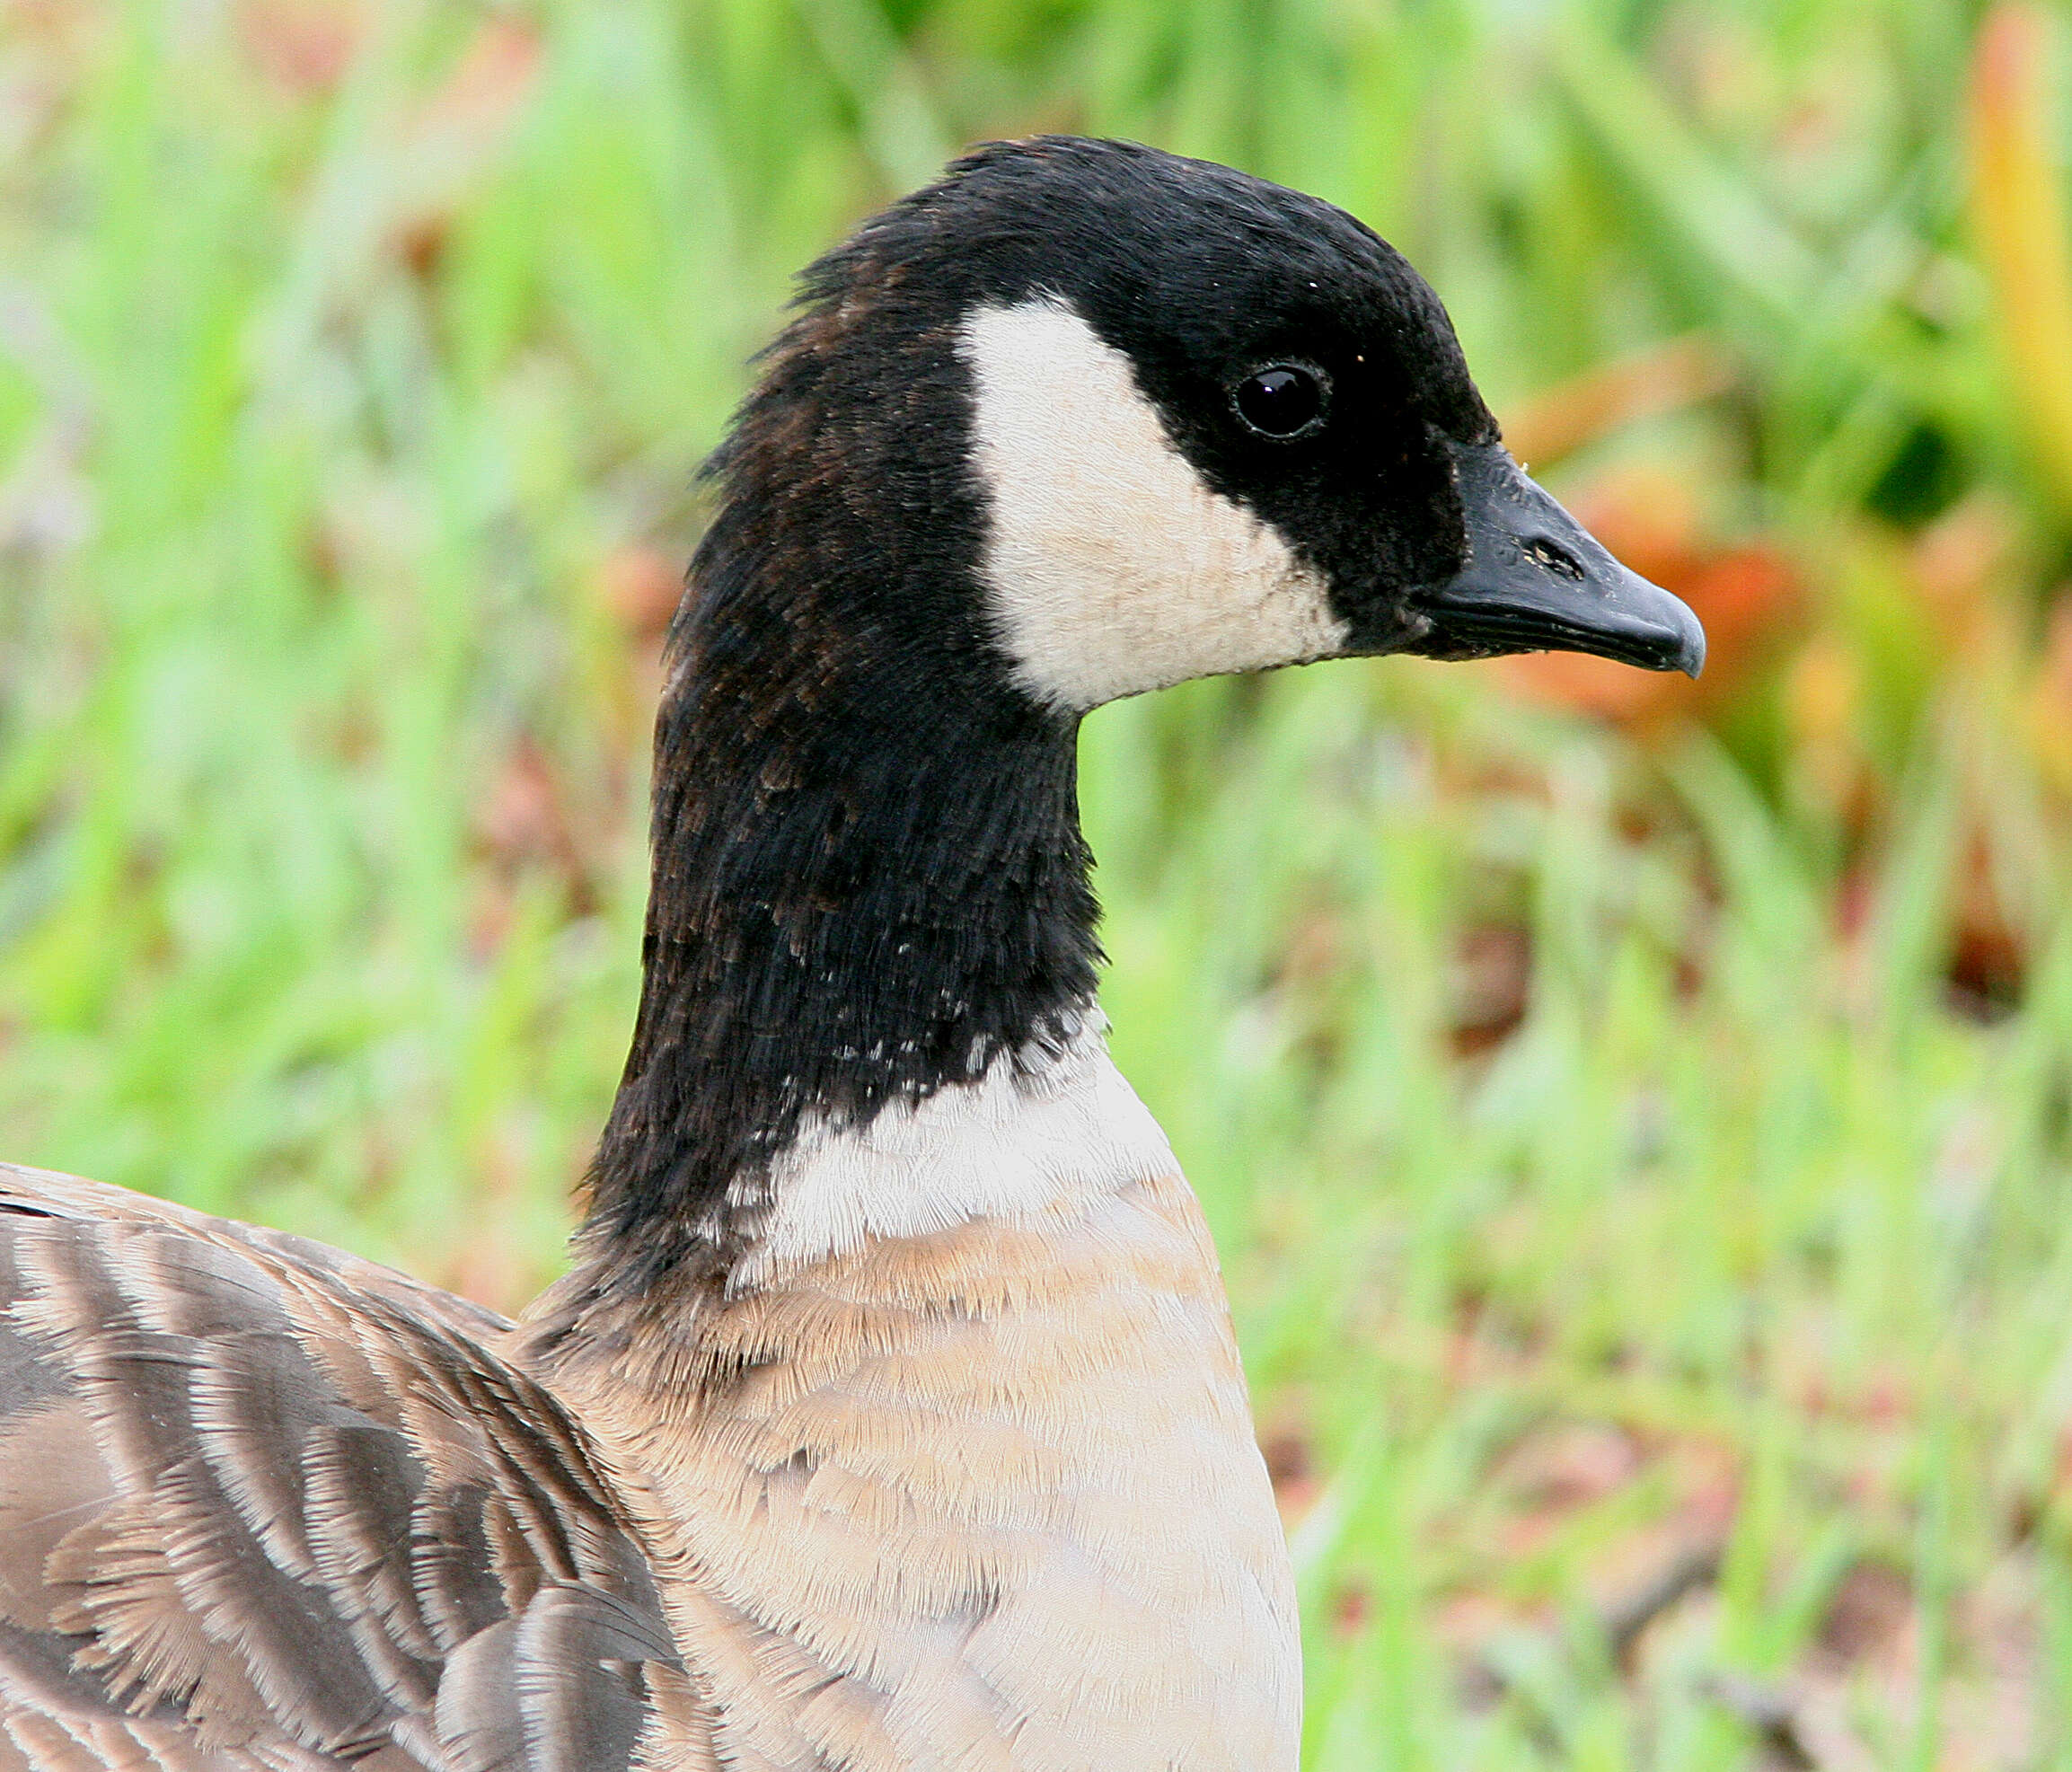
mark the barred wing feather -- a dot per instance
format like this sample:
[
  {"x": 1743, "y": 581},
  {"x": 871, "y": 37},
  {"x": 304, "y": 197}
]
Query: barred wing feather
[{"x": 263, "y": 1505}]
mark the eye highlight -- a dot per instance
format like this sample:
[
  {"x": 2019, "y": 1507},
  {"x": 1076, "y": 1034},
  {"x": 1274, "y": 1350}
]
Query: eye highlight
[{"x": 1282, "y": 401}]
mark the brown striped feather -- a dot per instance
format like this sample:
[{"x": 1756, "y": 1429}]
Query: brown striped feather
[{"x": 263, "y": 1505}]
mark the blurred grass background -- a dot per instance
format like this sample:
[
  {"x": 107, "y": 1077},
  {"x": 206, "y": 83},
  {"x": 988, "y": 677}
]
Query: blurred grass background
[{"x": 1637, "y": 1118}]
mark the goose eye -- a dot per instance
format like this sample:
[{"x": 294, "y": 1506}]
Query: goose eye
[{"x": 1283, "y": 402}]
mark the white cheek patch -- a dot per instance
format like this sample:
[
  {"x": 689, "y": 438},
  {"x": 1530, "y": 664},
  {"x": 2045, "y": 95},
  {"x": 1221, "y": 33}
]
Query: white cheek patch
[{"x": 1110, "y": 566}]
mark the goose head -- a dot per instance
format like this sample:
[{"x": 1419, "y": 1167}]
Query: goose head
[
  {"x": 1157, "y": 419},
  {"x": 1080, "y": 421}
]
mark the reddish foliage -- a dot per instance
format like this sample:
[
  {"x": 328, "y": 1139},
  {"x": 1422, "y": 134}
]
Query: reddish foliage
[
  {"x": 1869, "y": 1607},
  {"x": 1988, "y": 957},
  {"x": 458, "y": 129},
  {"x": 1494, "y": 987},
  {"x": 641, "y": 586},
  {"x": 523, "y": 827},
  {"x": 303, "y": 45},
  {"x": 1567, "y": 1466},
  {"x": 1746, "y": 593},
  {"x": 1577, "y": 412}
]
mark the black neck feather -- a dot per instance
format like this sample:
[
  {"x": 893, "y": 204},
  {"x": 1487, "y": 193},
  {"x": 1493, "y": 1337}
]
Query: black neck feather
[{"x": 868, "y": 875}]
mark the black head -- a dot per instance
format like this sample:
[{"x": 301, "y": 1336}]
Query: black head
[{"x": 1197, "y": 423}]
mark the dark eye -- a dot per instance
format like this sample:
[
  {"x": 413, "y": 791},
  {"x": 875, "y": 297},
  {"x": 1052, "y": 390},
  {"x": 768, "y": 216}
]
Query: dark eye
[{"x": 1284, "y": 401}]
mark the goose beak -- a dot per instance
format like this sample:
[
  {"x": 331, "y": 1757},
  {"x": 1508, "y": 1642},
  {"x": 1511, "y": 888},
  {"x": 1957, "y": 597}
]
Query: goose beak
[{"x": 1537, "y": 580}]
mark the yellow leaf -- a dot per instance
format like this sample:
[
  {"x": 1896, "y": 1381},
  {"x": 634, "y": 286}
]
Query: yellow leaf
[{"x": 2019, "y": 218}]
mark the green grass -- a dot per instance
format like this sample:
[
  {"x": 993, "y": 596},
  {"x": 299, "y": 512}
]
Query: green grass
[{"x": 1605, "y": 1164}]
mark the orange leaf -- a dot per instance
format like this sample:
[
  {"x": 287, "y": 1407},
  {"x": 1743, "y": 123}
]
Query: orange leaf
[
  {"x": 1746, "y": 595},
  {"x": 1570, "y": 415}
]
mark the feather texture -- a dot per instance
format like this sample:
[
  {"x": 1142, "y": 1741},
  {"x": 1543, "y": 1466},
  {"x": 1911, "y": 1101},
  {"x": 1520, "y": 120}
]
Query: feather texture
[
  {"x": 266, "y": 1506},
  {"x": 972, "y": 1488}
]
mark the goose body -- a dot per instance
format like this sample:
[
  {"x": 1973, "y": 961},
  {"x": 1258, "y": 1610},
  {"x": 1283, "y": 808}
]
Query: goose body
[{"x": 889, "y": 1418}]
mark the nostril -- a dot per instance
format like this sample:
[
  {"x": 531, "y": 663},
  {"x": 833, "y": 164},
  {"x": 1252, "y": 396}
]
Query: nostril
[{"x": 1554, "y": 557}]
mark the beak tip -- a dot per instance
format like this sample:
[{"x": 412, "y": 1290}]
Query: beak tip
[
  {"x": 1677, "y": 640},
  {"x": 1690, "y": 654}
]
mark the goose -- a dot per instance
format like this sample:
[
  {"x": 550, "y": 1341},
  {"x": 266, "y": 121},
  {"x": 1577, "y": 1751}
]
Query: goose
[{"x": 888, "y": 1414}]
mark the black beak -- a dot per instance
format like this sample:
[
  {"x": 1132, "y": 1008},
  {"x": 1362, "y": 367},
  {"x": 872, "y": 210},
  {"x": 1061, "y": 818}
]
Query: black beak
[{"x": 1536, "y": 580}]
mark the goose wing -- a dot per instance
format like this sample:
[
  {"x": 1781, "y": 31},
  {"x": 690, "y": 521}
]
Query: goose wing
[{"x": 265, "y": 1505}]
